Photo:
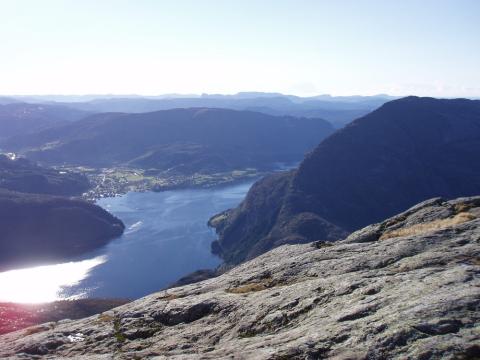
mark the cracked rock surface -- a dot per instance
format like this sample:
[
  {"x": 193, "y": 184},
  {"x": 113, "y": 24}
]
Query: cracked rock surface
[{"x": 406, "y": 288}]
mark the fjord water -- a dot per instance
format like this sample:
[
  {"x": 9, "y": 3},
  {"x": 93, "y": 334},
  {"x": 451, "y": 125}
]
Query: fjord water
[{"x": 166, "y": 237}]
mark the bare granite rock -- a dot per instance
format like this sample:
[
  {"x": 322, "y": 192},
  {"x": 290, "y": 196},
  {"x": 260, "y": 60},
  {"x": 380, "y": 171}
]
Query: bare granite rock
[{"x": 407, "y": 288}]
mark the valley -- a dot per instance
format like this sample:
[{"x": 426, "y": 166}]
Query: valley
[
  {"x": 240, "y": 180},
  {"x": 216, "y": 209},
  {"x": 220, "y": 221},
  {"x": 166, "y": 234}
]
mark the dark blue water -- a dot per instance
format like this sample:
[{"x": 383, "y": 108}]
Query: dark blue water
[{"x": 166, "y": 237}]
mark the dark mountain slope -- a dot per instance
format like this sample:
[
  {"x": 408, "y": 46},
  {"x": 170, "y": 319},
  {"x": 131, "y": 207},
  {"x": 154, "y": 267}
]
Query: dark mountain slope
[
  {"x": 408, "y": 150},
  {"x": 24, "y": 176},
  {"x": 22, "y": 118},
  {"x": 181, "y": 140},
  {"x": 43, "y": 228},
  {"x": 405, "y": 152}
]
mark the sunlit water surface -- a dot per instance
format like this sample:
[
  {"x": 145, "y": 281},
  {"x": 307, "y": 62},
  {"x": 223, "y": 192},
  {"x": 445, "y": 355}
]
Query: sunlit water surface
[
  {"x": 45, "y": 283},
  {"x": 166, "y": 237}
]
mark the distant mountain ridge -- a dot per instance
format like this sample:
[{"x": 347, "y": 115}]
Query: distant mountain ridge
[
  {"x": 239, "y": 95},
  {"x": 182, "y": 141},
  {"x": 407, "y": 151},
  {"x": 17, "y": 118},
  {"x": 4, "y": 100},
  {"x": 339, "y": 110}
]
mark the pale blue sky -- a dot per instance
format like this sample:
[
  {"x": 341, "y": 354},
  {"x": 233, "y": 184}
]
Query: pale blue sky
[{"x": 423, "y": 47}]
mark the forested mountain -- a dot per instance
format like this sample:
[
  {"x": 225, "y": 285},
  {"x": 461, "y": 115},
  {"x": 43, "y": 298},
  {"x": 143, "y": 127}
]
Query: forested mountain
[
  {"x": 37, "y": 229},
  {"x": 407, "y": 151},
  {"x": 18, "y": 118},
  {"x": 181, "y": 140},
  {"x": 25, "y": 176}
]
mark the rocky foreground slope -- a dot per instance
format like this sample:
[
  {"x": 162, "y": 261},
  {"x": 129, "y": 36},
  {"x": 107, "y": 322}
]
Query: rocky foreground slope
[{"x": 406, "y": 288}]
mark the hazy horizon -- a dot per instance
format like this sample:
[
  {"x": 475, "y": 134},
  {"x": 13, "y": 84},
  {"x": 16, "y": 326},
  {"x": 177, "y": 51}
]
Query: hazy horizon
[
  {"x": 304, "y": 48},
  {"x": 163, "y": 96},
  {"x": 198, "y": 95}
]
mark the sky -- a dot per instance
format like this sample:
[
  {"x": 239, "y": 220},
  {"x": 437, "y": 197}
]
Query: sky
[{"x": 300, "y": 47}]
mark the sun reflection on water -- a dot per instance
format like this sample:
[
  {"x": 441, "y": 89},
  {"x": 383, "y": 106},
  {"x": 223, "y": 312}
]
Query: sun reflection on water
[{"x": 44, "y": 283}]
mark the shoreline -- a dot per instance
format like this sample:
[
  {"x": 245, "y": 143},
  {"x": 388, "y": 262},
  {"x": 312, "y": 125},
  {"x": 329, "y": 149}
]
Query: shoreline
[
  {"x": 16, "y": 316},
  {"x": 119, "y": 181}
]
